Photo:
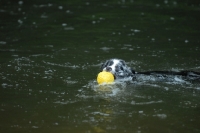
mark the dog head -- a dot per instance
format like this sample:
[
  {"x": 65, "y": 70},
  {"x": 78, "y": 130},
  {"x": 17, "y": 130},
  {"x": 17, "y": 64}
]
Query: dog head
[{"x": 118, "y": 68}]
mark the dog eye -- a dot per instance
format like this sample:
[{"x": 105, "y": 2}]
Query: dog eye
[{"x": 119, "y": 68}]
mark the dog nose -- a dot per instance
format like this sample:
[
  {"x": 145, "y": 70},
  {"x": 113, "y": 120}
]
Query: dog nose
[{"x": 108, "y": 69}]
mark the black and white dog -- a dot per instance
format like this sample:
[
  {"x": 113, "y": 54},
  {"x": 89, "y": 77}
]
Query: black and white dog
[{"x": 120, "y": 70}]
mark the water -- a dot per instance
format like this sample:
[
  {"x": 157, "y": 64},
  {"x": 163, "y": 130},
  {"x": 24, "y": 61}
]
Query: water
[{"x": 51, "y": 52}]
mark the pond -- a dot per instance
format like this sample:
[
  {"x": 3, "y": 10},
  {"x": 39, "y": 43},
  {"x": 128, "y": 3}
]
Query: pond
[{"x": 51, "y": 53}]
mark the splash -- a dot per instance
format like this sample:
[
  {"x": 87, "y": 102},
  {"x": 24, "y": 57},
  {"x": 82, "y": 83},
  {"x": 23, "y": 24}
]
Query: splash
[{"x": 111, "y": 89}]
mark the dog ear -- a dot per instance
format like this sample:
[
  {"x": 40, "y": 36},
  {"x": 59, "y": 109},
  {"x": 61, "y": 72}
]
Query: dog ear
[
  {"x": 123, "y": 62},
  {"x": 104, "y": 65}
]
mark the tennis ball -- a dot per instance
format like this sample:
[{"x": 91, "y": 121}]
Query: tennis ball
[{"x": 105, "y": 77}]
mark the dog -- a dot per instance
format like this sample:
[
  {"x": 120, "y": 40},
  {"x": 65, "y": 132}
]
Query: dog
[{"x": 120, "y": 70}]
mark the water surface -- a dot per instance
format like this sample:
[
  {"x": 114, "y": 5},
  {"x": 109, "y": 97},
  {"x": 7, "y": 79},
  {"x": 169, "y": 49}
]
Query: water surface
[{"x": 51, "y": 52}]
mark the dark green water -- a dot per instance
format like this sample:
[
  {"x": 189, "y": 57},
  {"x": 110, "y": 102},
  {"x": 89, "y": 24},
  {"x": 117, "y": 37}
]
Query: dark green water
[{"x": 50, "y": 54}]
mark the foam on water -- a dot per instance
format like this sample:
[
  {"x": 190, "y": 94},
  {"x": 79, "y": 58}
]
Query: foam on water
[
  {"x": 111, "y": 89},
  {"x": 151, "y": 81},
  {"x": 160, "y": 78}
]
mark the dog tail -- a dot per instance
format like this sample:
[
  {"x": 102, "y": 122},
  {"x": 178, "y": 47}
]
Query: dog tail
[{"x": 190, "y": 75}]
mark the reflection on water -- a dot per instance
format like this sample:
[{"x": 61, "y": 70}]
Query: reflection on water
[{"x": 50, "y": 57}]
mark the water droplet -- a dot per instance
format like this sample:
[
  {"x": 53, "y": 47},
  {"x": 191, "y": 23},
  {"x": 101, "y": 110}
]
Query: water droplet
[
  {"x": 186, "y": 41},
  {"x": 64, "y": 24},
  {"x": 140, "y": 112},
  {"x": 20, "y": 21},
  {"x": 60, "y": 7},
  {"x": 2, "y": 42},
  {"x": 172, "y": 18},
  {"x": 20, "y": 2}
]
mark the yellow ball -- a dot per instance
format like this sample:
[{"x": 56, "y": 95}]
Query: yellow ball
[{"x": 105, "y": 77}]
